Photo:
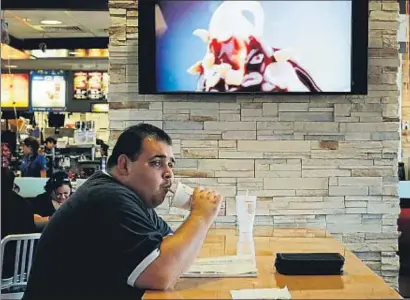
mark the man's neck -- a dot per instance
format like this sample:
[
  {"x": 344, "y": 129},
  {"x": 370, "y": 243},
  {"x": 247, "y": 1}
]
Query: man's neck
[{"x": 112, "y": 172}]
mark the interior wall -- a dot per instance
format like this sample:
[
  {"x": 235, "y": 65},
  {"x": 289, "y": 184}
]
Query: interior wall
[{"x": 328, "y": 162}]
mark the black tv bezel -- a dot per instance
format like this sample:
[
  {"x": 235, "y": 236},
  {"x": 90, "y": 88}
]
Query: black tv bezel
[{"x": 147, "y": 61}]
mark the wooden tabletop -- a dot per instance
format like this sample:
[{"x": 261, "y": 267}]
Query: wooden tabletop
[{"x": 358, "y": 281}]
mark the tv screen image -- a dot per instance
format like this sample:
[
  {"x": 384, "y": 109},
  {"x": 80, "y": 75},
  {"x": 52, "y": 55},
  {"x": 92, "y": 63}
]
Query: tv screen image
[
  {"x": 90, "y": 85},
  {"x": 48, "y": 90},
  {"x": 253, "y": 46},
  {"x": 14, "y": 90}
]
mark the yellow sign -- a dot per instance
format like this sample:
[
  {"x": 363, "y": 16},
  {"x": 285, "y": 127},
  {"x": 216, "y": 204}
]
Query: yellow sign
[{"x": 14, "y": 90}]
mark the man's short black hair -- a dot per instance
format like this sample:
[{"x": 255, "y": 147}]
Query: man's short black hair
[
  {"x": 50, "y": 139},
  {"x": 130, "y": 141}
]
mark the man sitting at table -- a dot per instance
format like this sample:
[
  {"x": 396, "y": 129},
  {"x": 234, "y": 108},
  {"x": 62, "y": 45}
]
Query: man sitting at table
[{"x": 107, "y": 242}]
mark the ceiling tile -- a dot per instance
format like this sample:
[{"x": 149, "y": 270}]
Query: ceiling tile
[{"x": 24, "y": 24}]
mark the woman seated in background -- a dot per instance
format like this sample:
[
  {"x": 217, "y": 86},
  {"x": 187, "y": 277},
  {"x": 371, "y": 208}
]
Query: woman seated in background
[
  {"x": 34, "y": 163},
  {"x": 57, "y": 190}
]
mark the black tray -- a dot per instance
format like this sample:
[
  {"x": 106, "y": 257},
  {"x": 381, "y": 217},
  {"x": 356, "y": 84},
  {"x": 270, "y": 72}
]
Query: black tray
[{"x": 309, "y": 263}]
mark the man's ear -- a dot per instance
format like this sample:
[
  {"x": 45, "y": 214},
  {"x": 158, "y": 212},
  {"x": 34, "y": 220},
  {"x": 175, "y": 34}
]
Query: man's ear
[{"x": 122, "y": 164}]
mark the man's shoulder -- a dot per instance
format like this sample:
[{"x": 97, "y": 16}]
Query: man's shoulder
[
  {"x": 100, "y": 181},
  {"x": 104, "y": 189}
]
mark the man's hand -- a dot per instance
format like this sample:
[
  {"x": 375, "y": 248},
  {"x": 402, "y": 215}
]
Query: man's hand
[
  {"x": 178, "y": 251},
  {"x": 206, "y": 204}
]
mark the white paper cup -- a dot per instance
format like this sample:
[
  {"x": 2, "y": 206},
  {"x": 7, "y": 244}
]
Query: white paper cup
[
  {"x": 246, "y": 245},
  {"x": 182, "y": 197},
  {"x": 245, "y": 210}
]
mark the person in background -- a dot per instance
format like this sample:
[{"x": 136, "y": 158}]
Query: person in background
[
  {"x": 49, "y": 145},
  {"x": 57, "y": 190},
  {"x": 16, "y": 212},
  {"x": 33, "y": 164},
  {"x": 5, "y": 155},
  {"x": 103, "y": 148},
  {"x": 111, "y": 242},
  {"x": 16, "y": 217}
]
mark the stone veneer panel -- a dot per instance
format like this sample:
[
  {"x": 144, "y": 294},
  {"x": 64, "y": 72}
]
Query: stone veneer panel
[{"x": 320, "y": 161}]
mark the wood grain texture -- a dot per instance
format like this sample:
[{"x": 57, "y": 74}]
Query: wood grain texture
[{"x": 358, "y": 281}]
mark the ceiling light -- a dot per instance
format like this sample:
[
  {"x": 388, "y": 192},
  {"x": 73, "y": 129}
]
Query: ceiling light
[
  {"x": 50, "y": 22},
  {"x": 10, "y": 66}
]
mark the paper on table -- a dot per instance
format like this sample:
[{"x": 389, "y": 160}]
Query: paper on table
[
  {"x": 261, "y": 294},
  {"x": 223, "y": 266}
]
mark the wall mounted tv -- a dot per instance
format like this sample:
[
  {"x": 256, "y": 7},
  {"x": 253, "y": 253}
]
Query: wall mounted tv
[
  {"x": 292, "y": 47},
  {"x": 48, "y": 90},
  {"x": 14, "y": 91}
]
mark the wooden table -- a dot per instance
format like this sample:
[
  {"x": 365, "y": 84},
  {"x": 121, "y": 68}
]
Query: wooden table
[{"x": 358, "y": 281}]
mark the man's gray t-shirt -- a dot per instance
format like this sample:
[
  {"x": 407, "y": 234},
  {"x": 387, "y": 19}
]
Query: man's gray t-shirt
[{"x": 96, "y": 244}]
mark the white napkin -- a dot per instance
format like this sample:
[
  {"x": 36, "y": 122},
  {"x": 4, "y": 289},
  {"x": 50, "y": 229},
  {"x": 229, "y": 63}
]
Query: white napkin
[
  {"x": 223, "y": 266},
  {"x": 261, "y": 294}
]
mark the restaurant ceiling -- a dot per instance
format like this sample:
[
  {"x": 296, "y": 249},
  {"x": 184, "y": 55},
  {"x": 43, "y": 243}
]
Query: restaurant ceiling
[{"x": 26, "y": 24}]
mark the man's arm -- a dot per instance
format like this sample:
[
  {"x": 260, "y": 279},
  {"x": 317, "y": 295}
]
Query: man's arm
[
  {"x": 178, "y": 252},
  {"x": 43, "y": 166}
]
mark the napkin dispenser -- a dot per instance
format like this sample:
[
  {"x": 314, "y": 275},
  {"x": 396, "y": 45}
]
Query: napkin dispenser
[{"x": 309, "y": 263}]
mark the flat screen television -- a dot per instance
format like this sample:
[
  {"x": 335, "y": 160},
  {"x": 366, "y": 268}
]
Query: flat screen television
[
  {"x": 14, "y": 91},
  {"x": 291, "y": 47},
  {"x": 48, "y": 90}
]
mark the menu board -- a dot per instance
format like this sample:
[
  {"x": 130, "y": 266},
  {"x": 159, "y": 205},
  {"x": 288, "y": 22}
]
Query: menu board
[
  {"x": 90, "y": 85},
  {"x": 14, "y": 90},
  {"x": 89, "y": 52},
  {"x": 95, "y": 86},
  {"x": 48, "y": 90},
  {"x": 80, "y": 85}
]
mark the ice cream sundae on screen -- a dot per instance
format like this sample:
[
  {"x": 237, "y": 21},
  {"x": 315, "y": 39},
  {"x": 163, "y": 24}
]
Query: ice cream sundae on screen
[{"x": 237, "y": 59}]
